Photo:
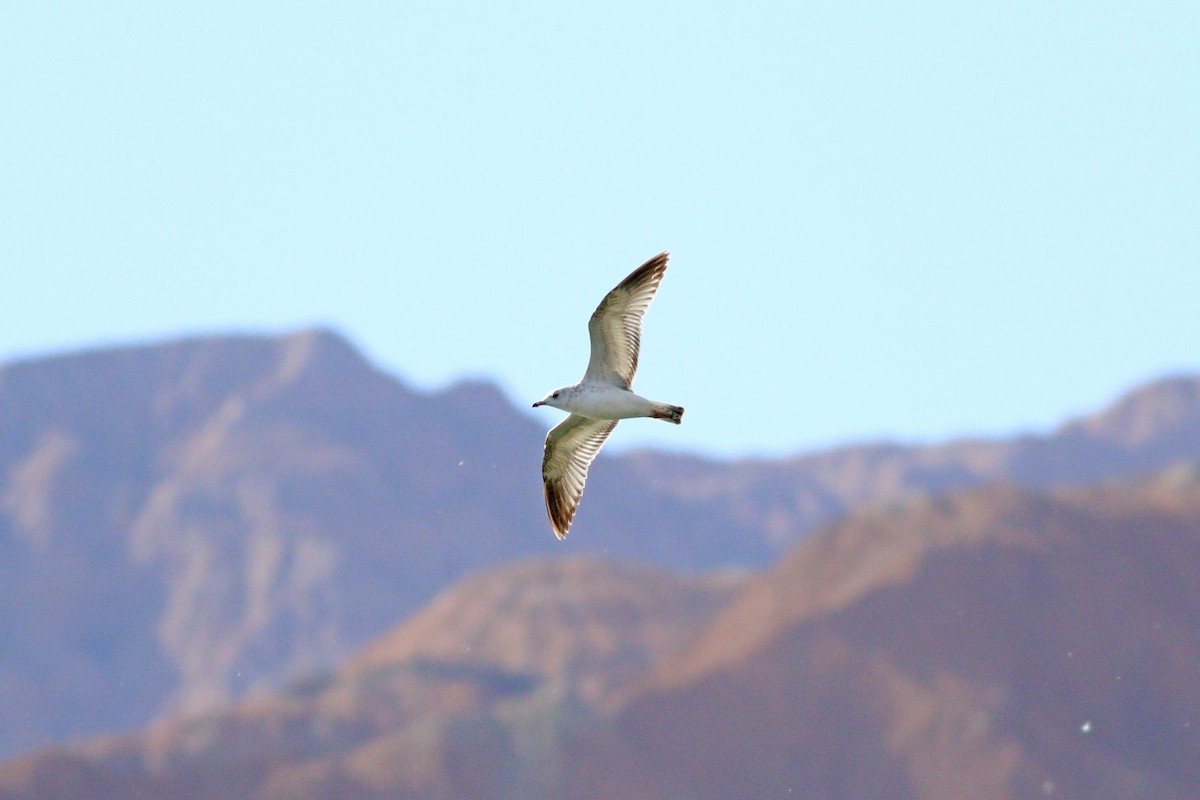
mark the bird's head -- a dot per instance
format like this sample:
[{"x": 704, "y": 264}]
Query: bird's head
[{"x": 555, "y": 399}]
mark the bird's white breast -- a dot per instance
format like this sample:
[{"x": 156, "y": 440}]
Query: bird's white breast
[{"x": 604, "y": 401}]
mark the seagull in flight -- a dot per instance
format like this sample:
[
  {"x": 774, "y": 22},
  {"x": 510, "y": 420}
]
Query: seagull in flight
[{"x": 604, "y": 396}]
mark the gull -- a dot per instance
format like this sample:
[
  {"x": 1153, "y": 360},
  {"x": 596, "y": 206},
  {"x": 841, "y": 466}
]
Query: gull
[{"x": 604, "y": 396}]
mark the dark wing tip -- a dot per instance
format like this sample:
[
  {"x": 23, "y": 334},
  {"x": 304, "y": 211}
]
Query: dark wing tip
[
  {"x": 560, "y": 513},
  {"x": 658, "y": 264}
]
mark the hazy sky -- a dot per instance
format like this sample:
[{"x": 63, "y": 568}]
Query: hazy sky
[{"x": 886, "y": 220}]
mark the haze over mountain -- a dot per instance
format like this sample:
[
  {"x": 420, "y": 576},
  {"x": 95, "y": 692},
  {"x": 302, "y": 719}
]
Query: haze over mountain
[
  {"x": 187, "y": 522},
  {"x": 996, "y": 643}
]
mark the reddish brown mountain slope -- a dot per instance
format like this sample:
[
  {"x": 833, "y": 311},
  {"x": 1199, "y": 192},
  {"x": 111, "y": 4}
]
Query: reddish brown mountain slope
[
  {"x": 587, "y": 624},
  {"x": 996, "y": 644}
]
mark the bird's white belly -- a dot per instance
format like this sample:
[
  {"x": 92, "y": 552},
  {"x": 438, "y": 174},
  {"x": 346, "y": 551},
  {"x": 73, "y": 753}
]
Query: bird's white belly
[{"x": 610, "y": 402}]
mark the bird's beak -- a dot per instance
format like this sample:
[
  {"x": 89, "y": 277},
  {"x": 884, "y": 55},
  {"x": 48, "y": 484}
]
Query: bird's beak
[{"x": 538, "y": 403}]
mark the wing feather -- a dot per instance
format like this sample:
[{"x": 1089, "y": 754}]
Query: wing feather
[
  {"x": 616, "y": 325},
  {"x": 571, "y": 446}
]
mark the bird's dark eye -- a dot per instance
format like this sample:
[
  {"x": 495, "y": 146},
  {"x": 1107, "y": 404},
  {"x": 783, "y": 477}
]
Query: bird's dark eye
[{"x": 554, "y": 395}]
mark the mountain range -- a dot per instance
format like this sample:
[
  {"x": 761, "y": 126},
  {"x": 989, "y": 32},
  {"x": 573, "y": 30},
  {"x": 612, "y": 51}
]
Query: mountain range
[
  {"x": 188, "y": 523},
  {"x": 995, "y": 643}
]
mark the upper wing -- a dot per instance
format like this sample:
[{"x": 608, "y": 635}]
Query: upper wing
[
  {"x": 571, "y": 445},
  {"x": 616, "y": 324}
]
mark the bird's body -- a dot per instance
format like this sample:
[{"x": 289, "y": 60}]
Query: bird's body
[
  {"x": 599, "y": 400},
  {"x": 605, "y": 394}
]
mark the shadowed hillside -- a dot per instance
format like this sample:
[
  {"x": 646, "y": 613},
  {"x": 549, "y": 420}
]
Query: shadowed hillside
[{"x": 447, "y": 704}]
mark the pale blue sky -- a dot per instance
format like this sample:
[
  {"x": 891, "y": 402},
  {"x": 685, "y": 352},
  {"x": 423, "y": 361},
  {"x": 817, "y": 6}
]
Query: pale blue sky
[{"x": 886, "y": 220}]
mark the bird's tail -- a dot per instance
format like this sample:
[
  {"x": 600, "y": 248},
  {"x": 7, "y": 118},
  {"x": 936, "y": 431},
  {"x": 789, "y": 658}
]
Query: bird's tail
[{"x": 668, "y": 412}]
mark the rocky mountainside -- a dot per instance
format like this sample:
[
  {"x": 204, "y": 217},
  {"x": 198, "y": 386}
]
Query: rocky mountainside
[
  {"x": 181, "y": 524},
  {"x": 190, "y": 522},
  {"x": 996, "y": 643},
  {"x": 426, "y": 706},
  {"x": 586, "y": 624}
]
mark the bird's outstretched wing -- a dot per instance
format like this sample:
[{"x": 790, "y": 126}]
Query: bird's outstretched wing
[
  {"x": 571, "y": 446},
  {"x": 616, "y": 325}
]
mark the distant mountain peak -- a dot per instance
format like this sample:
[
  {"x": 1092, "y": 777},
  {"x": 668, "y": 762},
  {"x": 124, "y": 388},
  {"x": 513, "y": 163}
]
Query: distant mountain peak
[
  {"x": 1164, "y": 409},
  {"x": 305, "y": 346}
]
